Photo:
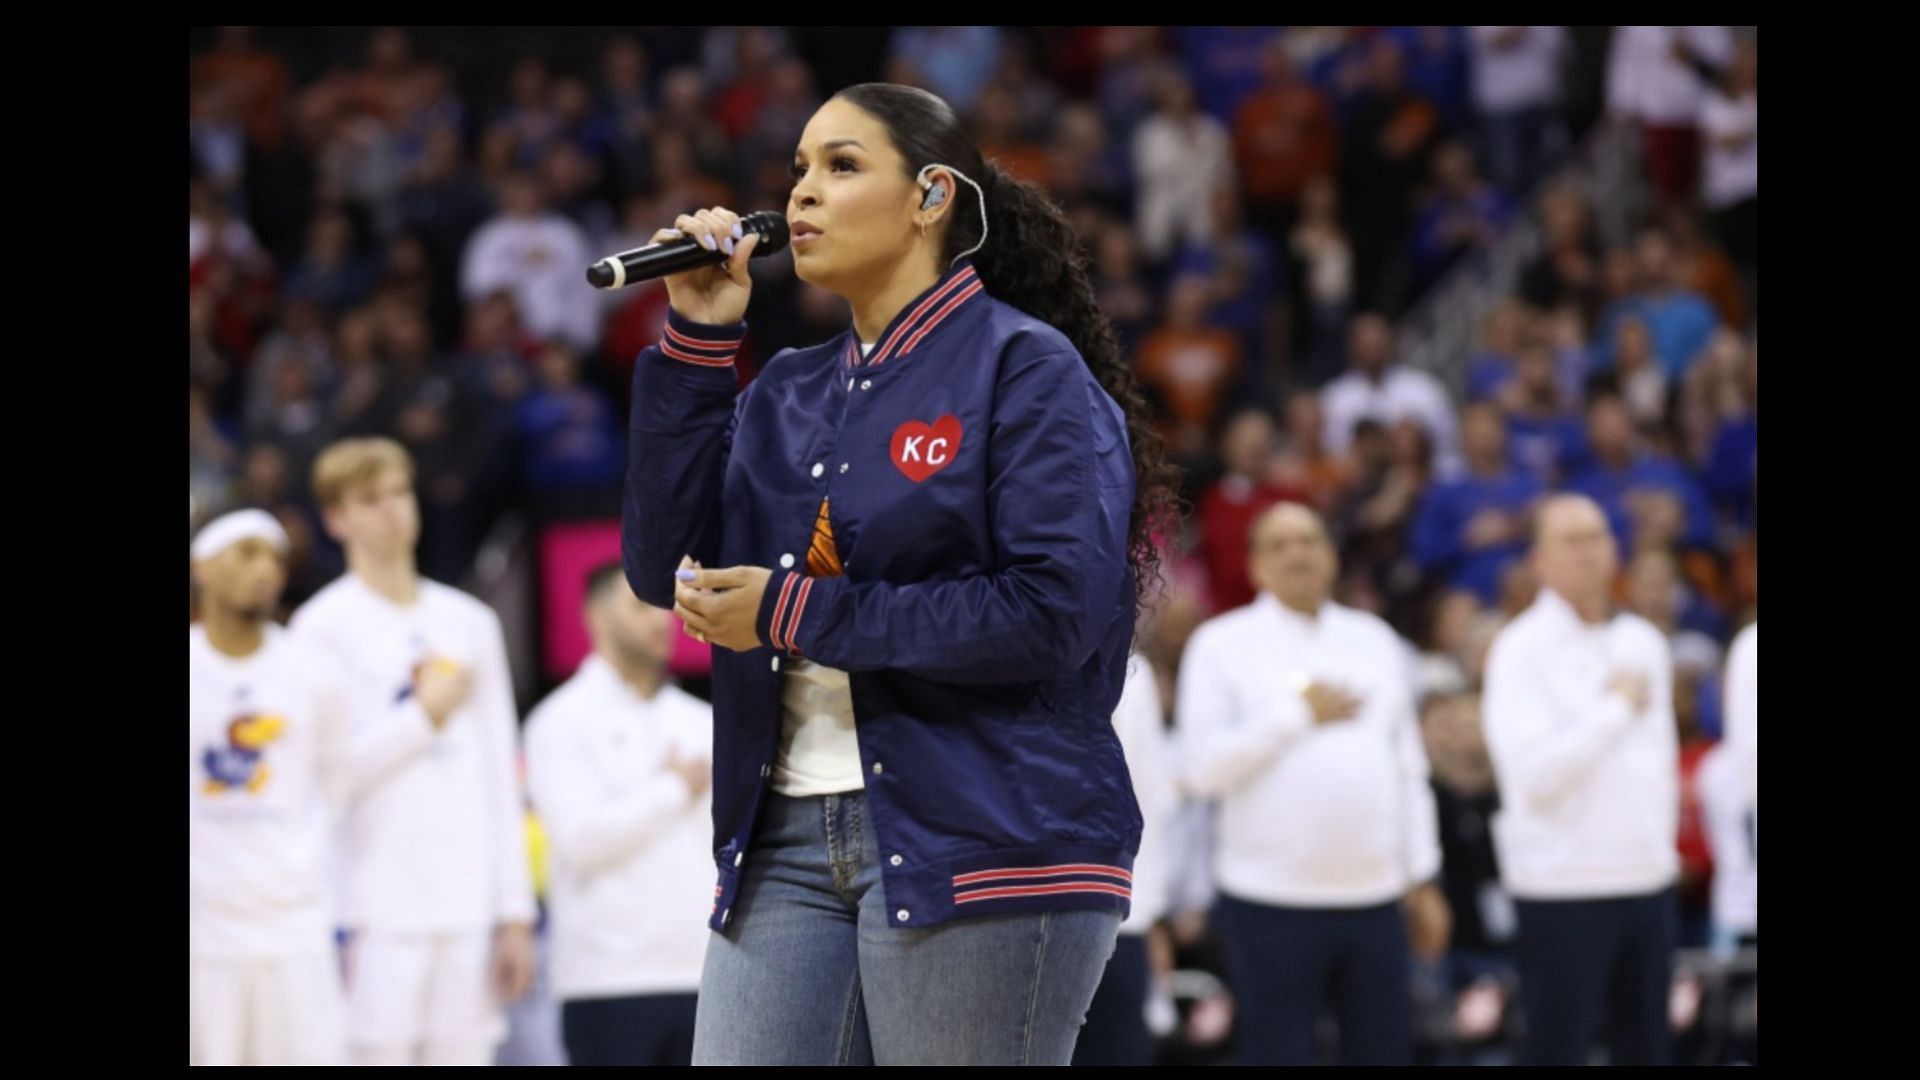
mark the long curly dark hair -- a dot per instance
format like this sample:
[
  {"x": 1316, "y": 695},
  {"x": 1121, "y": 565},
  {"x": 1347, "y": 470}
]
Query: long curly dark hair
[{"x": 1033, "y": 261}]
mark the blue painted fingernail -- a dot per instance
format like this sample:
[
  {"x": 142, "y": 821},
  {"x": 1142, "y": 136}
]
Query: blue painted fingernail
[
  {"x": 727, "y": 245},
  {"x": 708, "y": 240},
  {"x": 684, "y": 575},
  {"x": 737, "y": 234},
  {"x": 671, "y": 232}
]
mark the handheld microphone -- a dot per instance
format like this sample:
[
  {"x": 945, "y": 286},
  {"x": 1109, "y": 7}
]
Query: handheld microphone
[{"x": 678, "y": 256}]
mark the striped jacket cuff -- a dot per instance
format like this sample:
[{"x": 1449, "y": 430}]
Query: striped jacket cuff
[
  {"x": 782, "y": 620},
  {"x": 698, "y": 343}
]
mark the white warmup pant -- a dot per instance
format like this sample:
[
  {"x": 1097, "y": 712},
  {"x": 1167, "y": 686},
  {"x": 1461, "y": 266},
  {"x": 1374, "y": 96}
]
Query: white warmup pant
[
  {"x": 422, "y": 999},
  {"x": 283, "y": 1010}
]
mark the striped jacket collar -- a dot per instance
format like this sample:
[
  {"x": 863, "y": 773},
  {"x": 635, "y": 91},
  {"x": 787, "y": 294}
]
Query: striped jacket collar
[{"x": 959, "y": 286}]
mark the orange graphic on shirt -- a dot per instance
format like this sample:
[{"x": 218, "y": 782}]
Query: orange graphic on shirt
[{"x": 823, "y": 556}]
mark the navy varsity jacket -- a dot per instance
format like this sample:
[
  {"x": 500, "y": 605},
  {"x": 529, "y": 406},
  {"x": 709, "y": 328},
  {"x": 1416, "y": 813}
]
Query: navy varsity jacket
[{"x": 979, "y": 483}]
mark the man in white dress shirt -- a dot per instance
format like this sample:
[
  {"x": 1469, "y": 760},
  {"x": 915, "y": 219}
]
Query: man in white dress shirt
[
  {"x": 1297, "y": 714},
  {"x": 1579, "y": 720},
  {"x": 437, "y": 891},
  {"x": 619, "y": 763}
]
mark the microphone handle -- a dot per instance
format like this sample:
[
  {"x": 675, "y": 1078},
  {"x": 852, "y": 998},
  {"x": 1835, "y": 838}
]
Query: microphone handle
[
  {"x": 679, "y": 256},
  {"x": 664, "y": 259}
]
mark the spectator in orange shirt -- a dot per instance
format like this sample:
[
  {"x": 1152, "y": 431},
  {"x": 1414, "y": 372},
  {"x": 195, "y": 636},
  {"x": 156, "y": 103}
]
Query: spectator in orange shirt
[
  {"x": 1002, "y": 140},
  {"x": 1284, "y": 135},
  {"x": 257, "y": 78},
  {"x": 1190, "y": 365}
]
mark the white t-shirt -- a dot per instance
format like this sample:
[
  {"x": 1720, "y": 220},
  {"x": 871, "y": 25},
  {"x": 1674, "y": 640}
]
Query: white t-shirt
[
  {"x": 1645, "y": 80},
  {"x": 819, "y": 753},
  {"x": 1401, "y": 393},
  {"x": 1523, "y": 75},
  {"x": 538, "y": 260}
]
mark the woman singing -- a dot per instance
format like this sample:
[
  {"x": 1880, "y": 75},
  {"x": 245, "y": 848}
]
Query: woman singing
[{"x": 931, "y": 534}]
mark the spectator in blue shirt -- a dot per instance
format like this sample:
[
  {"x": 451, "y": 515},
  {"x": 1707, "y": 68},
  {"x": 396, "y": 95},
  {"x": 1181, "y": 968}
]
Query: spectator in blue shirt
[
  {"x": 1544, "y": 434},
  {"x": 1437, "y": 67},
  {"x": 954, "y": 61},
  {"x": 1463, "y": 214},
  {"x": 1681, "y": 321},
  {"x": 1469, "y": 528},
  {"x": 331, "y": 273},
  {"x": 1624, "y": 472},
  {"x": 567, "y": 431},
  {"x": 1733, "y": 463},
  {"x": 1224, "y": 62}
]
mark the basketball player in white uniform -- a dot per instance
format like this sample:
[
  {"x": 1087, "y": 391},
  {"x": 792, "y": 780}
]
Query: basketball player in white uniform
[
  {"x": 271, "y": 756},
  {"x": 437, "y": 893}
]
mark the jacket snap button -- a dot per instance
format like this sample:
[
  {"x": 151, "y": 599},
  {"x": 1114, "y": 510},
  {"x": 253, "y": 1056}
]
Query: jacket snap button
[
  {"x": 901, "y": 915},
  {"x": 786, "y": 560},
  {"x": 897, "y": 860},
  {"x": 818, "y": 469},
  {"x": 866, "y": 384},
  {"x": 877, "y": 770}
]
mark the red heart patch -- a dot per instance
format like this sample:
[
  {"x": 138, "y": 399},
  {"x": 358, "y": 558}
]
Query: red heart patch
[{"x": 920, "y": 450}]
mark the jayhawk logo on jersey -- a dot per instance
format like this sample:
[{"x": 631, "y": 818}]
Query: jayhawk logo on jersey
[{"x": 239, "y": 764}]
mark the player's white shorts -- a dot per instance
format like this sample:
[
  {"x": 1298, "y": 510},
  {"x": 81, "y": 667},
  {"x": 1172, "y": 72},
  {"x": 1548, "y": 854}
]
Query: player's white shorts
[
  {"x": 423, "y": 999},
  {"x": 287, "y": 1010}
]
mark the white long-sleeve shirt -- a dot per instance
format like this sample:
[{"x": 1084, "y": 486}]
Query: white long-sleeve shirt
[
  {"x": 1139, "y": 722},
  {"x": 1646, "y": 81},
  {"x": 631, "y": 878},
  {"x": 1743, "y": 710},
  {"x": 1523, "y": 75},
  {"x": 1179, "y": 163},
  {"x": 539, "y": 261},
  {"x": 437, "y": 845},
  {"x": 1403, "y": 393},
  {"x": 272, "y": 755},
  {"x": 1729, "y": 174},
  {"x": 1730, "y": 830},
  {"x": 1589, "y": 788},
  {"x": 1310, "y": 815}
]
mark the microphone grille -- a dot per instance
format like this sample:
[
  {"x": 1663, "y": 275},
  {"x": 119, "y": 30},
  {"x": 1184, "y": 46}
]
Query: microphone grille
[{"x": 772, "y": 227}]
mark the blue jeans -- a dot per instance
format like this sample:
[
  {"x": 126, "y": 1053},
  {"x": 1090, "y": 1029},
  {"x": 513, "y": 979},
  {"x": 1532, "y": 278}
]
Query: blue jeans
[
  {"x": 1116, "y": 1030},
  {"x": 808, "y": 972}
]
